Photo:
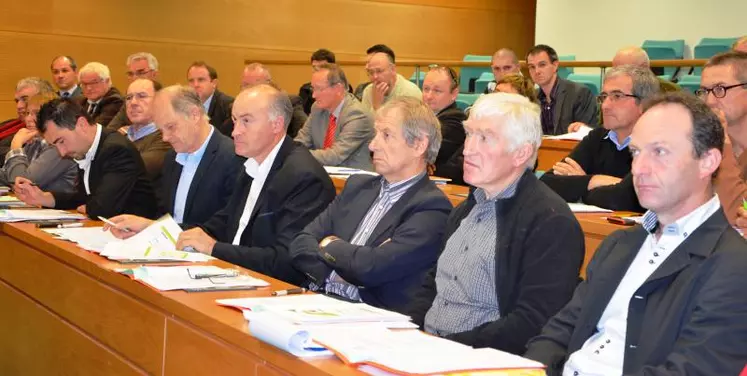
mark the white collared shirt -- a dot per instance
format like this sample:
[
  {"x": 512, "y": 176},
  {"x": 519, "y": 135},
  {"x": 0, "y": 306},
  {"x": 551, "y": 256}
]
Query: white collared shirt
[
  {"x": 258, "y": 172},
  {"x": 206, "y": 104},
  {"x": 604, "y": 352},
  {"x": 338, "y": 109},
  {"x": 69, "y": 92},
  {"x": 85, "y": 163}
]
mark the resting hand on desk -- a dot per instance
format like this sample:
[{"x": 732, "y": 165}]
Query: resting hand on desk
[
  {"x": 741, "y": 222},
  {"x": 198, "y": 239},
  {"x": 127, "y": 225},
  {"x": 568, "y": 167},
  {"x": 602, "y": 180},
  {"x": 576, "y": 126},
  {"x": 29, "y": 193}
]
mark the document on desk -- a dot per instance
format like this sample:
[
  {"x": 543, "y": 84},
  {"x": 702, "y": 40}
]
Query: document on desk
[
  {"x": 12, "y": 201},
  {"x": 156, "y": 243},
  {"x": 573, "y": 136},
  {"x": 346, "y": 171},
  {"x": 20, "y": 215},
  {"x": 411, "y": 352},
  {"x": 92, "y": 239},
  {"x": 583, "y": 208},
  {"x": 194, "y": 278}
]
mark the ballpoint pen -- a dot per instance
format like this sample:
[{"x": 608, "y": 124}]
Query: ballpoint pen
[
  {"x": 59, "y": 225},
  {"x": 297, "y": 290},
  {"x": 110, "y": 223}
]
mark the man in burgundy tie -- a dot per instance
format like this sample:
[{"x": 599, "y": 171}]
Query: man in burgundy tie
[{"x": 339, "y": 128}]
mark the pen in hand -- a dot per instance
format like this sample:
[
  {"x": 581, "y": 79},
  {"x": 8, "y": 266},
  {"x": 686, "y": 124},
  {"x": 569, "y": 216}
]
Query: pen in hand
[
  {"x": 110, "y": 223},
  {"x": 297, "y": 290}
]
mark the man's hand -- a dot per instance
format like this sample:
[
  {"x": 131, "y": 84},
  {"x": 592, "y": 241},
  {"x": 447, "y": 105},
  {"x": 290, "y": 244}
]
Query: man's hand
[
  {"x": 601, "y": 181},
  {"x": 327, "y": 240},
  {"x": 379, "y": 91},
  {"x": 81, "y": 209},
  {"x": 29, "y": 193},
  {"x": 127, "y": 225},
  {"x": 197, "y": 239},
  {"x": 741, "y": 222},
  {"x": 575, "y": 126},
  {"x": 568, "y": 167},
  {"x": 22, "y": 137}
]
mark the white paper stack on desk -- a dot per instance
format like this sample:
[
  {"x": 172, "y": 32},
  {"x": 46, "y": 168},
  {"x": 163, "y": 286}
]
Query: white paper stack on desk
[
  {"x": 12, "y": 201},
  {"x": 194, "y": 278},
  {"x": 20, "y": 215},
  {"x": 92, "y": 239}
]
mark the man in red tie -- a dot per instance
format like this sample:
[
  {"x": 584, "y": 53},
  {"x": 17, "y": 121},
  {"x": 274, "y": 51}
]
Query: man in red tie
[{"x": 339, "y": 128}]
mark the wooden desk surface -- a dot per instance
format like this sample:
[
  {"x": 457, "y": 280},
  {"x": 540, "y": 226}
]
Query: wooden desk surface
[
  {"x": 65, "y": 311},
  {"x": 552, "y": 151}
]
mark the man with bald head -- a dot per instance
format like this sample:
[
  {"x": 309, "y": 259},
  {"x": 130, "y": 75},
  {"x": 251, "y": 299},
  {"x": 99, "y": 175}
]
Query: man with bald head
[
  {"x": 503, "y": 62},
  {"x": 65, "y": 75},
  {"x": 386, "y": 83},
  {"x": 257, "y": 74},
  {"x": 637, "y": 56}
]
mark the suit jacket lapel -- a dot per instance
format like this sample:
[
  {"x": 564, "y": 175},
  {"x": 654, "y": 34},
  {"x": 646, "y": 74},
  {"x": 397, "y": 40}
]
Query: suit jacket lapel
[
  {"x": 395, "y": 211},
  {"x": 213, "y": 103},
  {"x": 205, "y": 163},
  {"x": 173, "y": 181},
  {"x": 363, "y": 201},
  {"x": 558, "y": 106},
  {"x": 279, "y": 158}
]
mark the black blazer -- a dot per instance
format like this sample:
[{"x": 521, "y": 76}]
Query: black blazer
[
  {"x": 220, "y": 112},
  {"x": 449, "y": 162},
  {"x": 402, "y": 248},
  {"x": 106, "y": 109},
  {"x": 690, "y": 319},
  {"x": 573, "y": 102},
  {"x": 211, "y": 186},
  {"x": 538, "y": 255},
  {"x": 118, "y": 182},
  {"x": 297, "y": 189}
]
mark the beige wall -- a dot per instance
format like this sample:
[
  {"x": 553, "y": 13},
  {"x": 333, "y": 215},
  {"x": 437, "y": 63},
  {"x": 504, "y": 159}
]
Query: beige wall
[{"x": 226, "y": 32}]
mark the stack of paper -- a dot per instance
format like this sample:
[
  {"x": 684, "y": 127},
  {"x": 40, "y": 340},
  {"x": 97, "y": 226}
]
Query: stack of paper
[
  {"x": 583, "y": 208},
  {"x": 411, "y": 352},
  {"x": 89, "y": 238},
  {"x": 156, "y": 243},
  {"x": 346, "y": 171},
  {"x": 574, "y": 136},
  {"x": 11, "y": 201},
  {"x": 194, "y": 278},
  {"x": 20, "y": 215}
]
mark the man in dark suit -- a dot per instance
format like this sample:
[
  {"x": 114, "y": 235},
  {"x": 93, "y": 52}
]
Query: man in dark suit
[
  {"x": 562, "y": 102},
  {"x": 112, "y": 177},
  {"x": 257, "y": 74},
  {"x": 513, "y": 249},
  {"x": 199, "y": 173},
  {"x": 100, "y": 99},
  {"x": 667, "y": 297},
  {"x": 204, "y": 80},
  {"x": 379, "y": 238},
  {"x": 440, "y": 89},
  {"x": 65, "y": 76}
]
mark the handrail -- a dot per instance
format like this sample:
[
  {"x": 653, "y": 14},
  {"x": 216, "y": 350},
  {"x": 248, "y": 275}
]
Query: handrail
[{"x": 485, "y": 64}]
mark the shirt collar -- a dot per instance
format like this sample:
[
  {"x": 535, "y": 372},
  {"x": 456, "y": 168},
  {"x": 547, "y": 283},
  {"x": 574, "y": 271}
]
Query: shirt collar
[
  {"x": 71, "y": 90},
  {"x": 184, "y": 158},
  {"x": 553, "y": 92},
  {"x": 388, "y": 187},
  {"x": 206, "y": 104},
  {"x": 508, "y": 192},
  {"x": 338, "y": 109},
  {"x": 91, "y": 153},
  {"x": 254, "y": 169},
  {"x": 686, "y": 224},
  {"x": 141, "y": 132},
  {"x": 612, "y": 136}
]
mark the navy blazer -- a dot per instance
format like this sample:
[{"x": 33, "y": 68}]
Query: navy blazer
[
  {"x": 219, "y": 112},
  {"x": 211, "y": 186},
  {"x": 297, "y": 189},
  {"x": 688, "y": 318},
  {"x": 398, "y": 253}
]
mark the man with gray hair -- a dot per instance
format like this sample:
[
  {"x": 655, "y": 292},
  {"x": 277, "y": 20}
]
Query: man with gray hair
[
  {"x": 257, "y": 74},
  {"x": 512, "y": 249},
  {"x": 25, "y": 88},
  {"x": 100, "y": 99},
  {"x": 597, "y": 171},
  {"x": 139, "y": 65},
  {"x": 339, "y": 128},
  {"x": 381, "y": 235},
  {"x": 503, "y": 62}
]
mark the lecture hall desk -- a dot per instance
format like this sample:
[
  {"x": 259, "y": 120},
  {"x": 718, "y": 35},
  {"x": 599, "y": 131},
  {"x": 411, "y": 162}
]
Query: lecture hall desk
[
  {"x": 64, "y": 311},
  {"x": 552, "y": 151}
]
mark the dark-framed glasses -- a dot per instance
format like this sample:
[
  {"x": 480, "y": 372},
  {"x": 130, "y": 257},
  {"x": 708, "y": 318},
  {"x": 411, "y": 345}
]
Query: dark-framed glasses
[
  {"x": 614, "y": 96},
  {"x": 719, "y": 91}
]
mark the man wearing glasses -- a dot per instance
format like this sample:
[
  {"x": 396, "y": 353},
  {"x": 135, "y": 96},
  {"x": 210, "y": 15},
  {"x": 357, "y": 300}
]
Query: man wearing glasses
[
  {"x": 386, "y": 83},
  {"x": 597, "y": 170},
  {"x": 139, "y": 65},
  {"x": 339, "y": 128},
  {"x": 101, "y": 100},
  {"x": 723, "y": 86}
]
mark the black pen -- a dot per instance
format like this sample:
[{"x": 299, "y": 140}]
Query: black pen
[
  {"x": 297, "y": 290},
  {"x": 59, "y": 225}
]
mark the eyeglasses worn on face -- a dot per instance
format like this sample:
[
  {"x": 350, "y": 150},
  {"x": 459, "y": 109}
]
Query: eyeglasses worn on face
[
  {"x": 89, "y": 84},
  {"x": 138, "y": 73},
  {"x": 139, "y": 96},
  {"x": 375, "y": 72},
  {"x": 614, "y": 96},
  {"x": 719, "y": 91}
]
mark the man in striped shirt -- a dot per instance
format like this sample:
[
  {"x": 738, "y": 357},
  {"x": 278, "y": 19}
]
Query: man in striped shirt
[{"x": 378, "y": 238}]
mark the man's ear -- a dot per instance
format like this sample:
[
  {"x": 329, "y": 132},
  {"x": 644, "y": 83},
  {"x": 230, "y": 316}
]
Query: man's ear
[
  {"x": 709, "y": 162},
  {"x": 522, "y": 154}
]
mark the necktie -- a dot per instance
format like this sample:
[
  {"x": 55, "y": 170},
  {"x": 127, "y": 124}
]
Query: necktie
[
  {"x": 65, "y": 94},
  {"x": 91, "y": 108},
  {"x": 329, "y": 137}
]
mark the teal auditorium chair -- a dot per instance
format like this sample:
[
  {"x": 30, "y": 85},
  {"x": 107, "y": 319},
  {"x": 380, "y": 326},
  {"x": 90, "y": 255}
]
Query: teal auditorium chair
[
  {"x": 689, "y": 83},
  {"x": 665, "y": 50},
  {"x": 564, "y": 72},
  {"x": 414, "y": 79},
  {"x": 592, "y": 81},
  {"x": 709, "y": 47},
  {"x": 482, "y": 82},
  {"x": 465, "y": 100},
  {"x": 469, "y": 75}
]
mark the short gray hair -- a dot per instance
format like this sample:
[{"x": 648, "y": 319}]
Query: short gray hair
[
  {"x": 638, "y": 54},
  {"x": 335, "y": 75},
  {"x": 183, "y": 100},
  {"x": 42, "y": 86},
  {"x": 152, "y": 61},
  {"x": 418, "y": 122},
  {"x": 645, "y": 84},
  {"x": 279, "y": 104},
  {"x": 259, "y": 67},
  {"x": 515, "y": 116},
  {"x": 101, "y": 70}
]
